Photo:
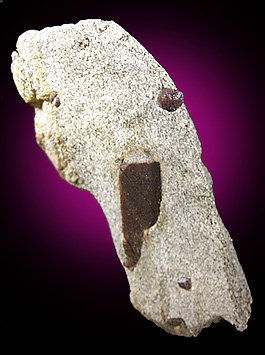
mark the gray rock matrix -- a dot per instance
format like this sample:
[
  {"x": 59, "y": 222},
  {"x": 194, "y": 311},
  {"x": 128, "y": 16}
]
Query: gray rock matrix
[{"x": 95, "y": 91}]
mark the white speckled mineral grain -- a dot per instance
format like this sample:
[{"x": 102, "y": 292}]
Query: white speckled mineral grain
[{"x": 95, "y": 90}]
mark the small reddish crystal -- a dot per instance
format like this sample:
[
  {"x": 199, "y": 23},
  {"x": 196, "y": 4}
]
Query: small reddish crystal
[{"x": 170, "y": 99}]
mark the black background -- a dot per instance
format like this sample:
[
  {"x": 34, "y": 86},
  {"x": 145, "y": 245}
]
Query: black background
[{"x": 37, "y": 300}]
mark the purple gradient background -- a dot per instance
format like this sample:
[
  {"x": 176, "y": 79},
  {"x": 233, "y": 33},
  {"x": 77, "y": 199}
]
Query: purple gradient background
[{"x": 61, "y": 268}]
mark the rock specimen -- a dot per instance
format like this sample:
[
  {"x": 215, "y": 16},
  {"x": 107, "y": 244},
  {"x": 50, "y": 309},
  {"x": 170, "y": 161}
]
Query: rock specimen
[{"x": 112, "y": 122}]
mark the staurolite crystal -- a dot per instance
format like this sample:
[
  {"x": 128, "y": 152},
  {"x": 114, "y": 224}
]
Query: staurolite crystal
[{"x": 112, "y": 122}]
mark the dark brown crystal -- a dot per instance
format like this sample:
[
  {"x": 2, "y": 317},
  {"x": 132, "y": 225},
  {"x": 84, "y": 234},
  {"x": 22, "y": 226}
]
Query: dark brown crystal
[
  {"x": 140, "y": 195},
  {"x": 184, "y": 282}
]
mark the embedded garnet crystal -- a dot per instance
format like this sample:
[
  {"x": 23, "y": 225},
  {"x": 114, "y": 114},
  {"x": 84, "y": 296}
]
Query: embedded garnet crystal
[
  {"x": 184, "y": 282},
  {"x": 56, "y": 101},
  {"x": 170, "y": 99},
  {"x": 140, "y": 194}
]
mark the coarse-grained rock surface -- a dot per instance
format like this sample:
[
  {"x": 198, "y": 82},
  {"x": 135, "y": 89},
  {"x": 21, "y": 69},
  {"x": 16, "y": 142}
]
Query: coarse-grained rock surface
[{"x": 101, "y": 121}]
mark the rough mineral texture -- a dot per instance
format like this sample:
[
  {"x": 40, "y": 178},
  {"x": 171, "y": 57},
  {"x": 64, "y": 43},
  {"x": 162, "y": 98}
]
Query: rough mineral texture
[{"x": 95, "y": 90}]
